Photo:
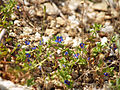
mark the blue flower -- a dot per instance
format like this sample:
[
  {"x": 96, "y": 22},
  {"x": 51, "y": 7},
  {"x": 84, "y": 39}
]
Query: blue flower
[
  {"x": 67, "y": 82},
  {"x": 18, "y": 45},
  {"x": 28, "y": 60},
  {"x": 76, "y": 55},
  {"x": 63, "y": 65},
  {"x": 114, "y": 46},
  {"x": 75, "y": 62},
  {"x": 50, "y": 55},
  {"x": 82, "y": 45},
  {"x": 88, "y": 58},
  {"x": 59, "y": 39},
  {"x": 30, "y": 64},
  {"x": 28, "y": 55},
  {"x": 106, "y": 74},
  {"x": 109, "y": 60},
  {"x": 27, "y": 42},
  {"x": 39, "y": 67},
  {"x": 18, "y": 7},
  {"x": 34, "y": 48},
  {"x": 41, "y": 42},
  {"x": 66, "y": 53}
]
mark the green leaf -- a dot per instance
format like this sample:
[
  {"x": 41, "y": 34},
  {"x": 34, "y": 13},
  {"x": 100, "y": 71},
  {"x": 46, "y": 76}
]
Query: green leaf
[
  {"x": 30, "y": 82},
  {"x": 111, "y": 69},
  {"x": 117, "y": 81}
]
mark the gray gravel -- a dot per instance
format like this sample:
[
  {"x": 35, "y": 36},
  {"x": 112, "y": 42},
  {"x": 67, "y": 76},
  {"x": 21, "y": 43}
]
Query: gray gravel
[{"x": 8, "y": 85}]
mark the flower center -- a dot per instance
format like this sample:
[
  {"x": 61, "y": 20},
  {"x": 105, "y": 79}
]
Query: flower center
[
  {"x": 81, "y": 45},
  {"x": 59, "y": 40}
]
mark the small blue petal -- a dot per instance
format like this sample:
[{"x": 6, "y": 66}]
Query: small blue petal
[
  {"x": 18, "y": 45},
  {"x": 67, "y": 82},
  {"x": 56, "y": 41},
  {"x": 61, "y": 39},
  {"x": 27, "y": 42},
  {"x": 40, "y": 43},
  {"x": 50, "y": 55},
  {"x": 39, "y": 67},
  {"x": 76, "y": 55},
  {"x": 18, "y": 7},
  {"x": 34, "y": 48},
  {"x": 28, "y": 55},
  {"x": 64, "y": 65},
  {"x": 115, "y": 48},
  {"x": 106, "y": 74},
  {"x": 28, "y": 60},
  {"x": 88, "y": 58},
  {"x": 109, "y": 60},
  {"x": 58, "y": 37},
  {"x": 66, "y": 53}
]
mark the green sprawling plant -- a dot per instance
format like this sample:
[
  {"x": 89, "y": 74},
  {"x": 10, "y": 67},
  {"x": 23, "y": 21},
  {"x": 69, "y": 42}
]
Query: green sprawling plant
[
  {"x": 6, "y": 10},
  {"x": 62, "y": 60},
  {"x": 5, "y": 23}
]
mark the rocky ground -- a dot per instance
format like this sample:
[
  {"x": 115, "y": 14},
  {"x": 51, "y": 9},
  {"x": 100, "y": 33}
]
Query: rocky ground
[{"x": 72, "y": 19}]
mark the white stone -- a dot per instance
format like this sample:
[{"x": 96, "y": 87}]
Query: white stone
[
  {"x": 58, "y": 83},
  {"x": 26, "y": 2},
  {"x": 73, "y": 21},
  {"x": 1, "y": 79},
  {"x": 12, "y": 60},
  {"x": 100, "y": 17},
  {"x": 112, "y": 53},
  {"x": 19, "y": 88},
  {"x": 39, "y": 13},
  {"x": 104, "y": 40},
  {"x": 51, "y": 9},
  {"x": 72, "y": 18},
  {"x": 60, "y": 21},
  {"x": 65, "y": 35},
  {"x": 68, "y": 40},
  {"x": 73, "y": 4},
  {"x": 13, "y": 16},
  {"x": 24, "y": 46},
  {"x": 37, "y": 36},
  {"x": 32, "y": 12},
  {"x": 115, "y": 13},
  {"x": 100, "y": 6},
  {"x": 119, "y": 2},
  {"x": 12, "y": 34},
  {"x": 107, "y": 23},
  {"x": 68, "y": 28},
  {"x": 27, "y": 30},
  {"x": 17, "y": 22},
  {"x": 50, "y": 32},
  {"x": 76, "y": 42},
  {"x": 21, "y": 1},
  {"x": 63, "y": 4},
  {"x": 107, "y": 29},
  {"x": 52, "y": 23},
  {"x": 58, "y": 51},
  {"x": 9, "y": 84},
  {"x": 91, "y": 15},
  {"x": 45, "y": 39}
]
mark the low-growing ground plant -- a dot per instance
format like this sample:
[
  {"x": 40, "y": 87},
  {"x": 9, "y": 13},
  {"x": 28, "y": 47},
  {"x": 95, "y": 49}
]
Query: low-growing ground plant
[{"x": 91, "y": 60}]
